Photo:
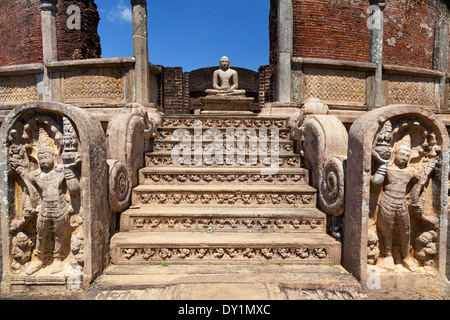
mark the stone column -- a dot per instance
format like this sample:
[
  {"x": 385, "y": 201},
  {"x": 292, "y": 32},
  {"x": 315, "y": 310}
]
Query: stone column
[
  {"x": 284, "y": 41},
  {"x": 440, "y": 61},
  {"x": 49, "y": 42},
  {"x": 140, "y": 51},
  {"x": 376, "y": 24}
]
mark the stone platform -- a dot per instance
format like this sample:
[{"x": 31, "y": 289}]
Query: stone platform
[
  {"x": 225, "y": 282},
  {"x": 226, "y": 103}
]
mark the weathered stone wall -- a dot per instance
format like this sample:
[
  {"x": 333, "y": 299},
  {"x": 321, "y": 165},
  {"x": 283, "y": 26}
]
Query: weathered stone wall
[
  {"x": 265, "y": 85},
  {"x": 338, "y": 30},
  {"x": 78, "y": 44},
  {"x": 273, "y": 31},
  {"x": 21, "y": 34},
  {"x": 20, "y": 39},
  {"x": 409, "y": 31},
  {"x": 173, "y": 90},
  {"x": 331, "y": 29}
]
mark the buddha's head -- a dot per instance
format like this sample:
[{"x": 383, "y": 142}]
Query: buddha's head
[{"x": 225, "y": 63}]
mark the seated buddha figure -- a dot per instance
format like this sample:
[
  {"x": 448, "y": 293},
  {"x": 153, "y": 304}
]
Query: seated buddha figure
[{"x": 225, "y": 81}]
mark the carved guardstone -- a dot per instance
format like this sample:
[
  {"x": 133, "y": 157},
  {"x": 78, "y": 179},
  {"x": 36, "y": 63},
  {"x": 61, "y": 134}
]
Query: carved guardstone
[
  {"x": 321, "y": 140},
  {"x": 226, "y": 96},
  {"x": 55, "y": 221},
  {"x": 127, "y": 140},
  {"x": 396, "y": 193}
]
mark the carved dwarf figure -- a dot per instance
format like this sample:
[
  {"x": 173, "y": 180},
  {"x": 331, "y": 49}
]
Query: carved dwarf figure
[
  {"x": 53, "y": 210},
  {"x": 21, "y": 251},
  {"x": 426, "y": 247},
  {"x": 77, "y": 247},
  {"x": 225, "y": 80},
  {"x": 372, "y": 248}
]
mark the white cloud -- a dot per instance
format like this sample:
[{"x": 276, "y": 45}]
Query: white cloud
[{"x": 120, "y": 12}]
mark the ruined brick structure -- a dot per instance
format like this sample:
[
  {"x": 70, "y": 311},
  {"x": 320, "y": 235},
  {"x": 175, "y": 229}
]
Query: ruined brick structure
[
  {"x": 338, "y": 30},
  {"x": 89, "y": 157},
  {"x": 21, "y": 34}
]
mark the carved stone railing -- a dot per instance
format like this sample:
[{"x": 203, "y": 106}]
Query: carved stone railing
[
  {"x": 347, "y": 87},
  {"x": 19, "y": 84},
  {"x": 321, "y": 139},
  {"x": 101, "y": 86},
  {"x": 127, "y": 140},
  {"x": 92, "y": 81}
]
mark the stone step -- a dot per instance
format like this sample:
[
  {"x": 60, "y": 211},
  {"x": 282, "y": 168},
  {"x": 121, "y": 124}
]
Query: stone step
[
  {"x": 232, "y": 134},
  {"x": 222, "y": 175},
  {"x": 224, "y": 121},
  {"x": 248, "y": 196},
  {"x": 235, "y": 282},
  {"x": 210, "y": 145},
  {"x": 282, "y": 160},
  {"x": 213, "y": 219},
  {"x": 224, "y": 248}
]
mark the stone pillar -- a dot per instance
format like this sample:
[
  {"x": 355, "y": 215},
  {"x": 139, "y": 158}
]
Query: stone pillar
[
  {"x": 140, "y": 51},
  {"x": 285, "y": 38},
  {"x": 49, "y": 42},
  {"x": 440, "y": 61},
  {"x": 376, "y": 24}
]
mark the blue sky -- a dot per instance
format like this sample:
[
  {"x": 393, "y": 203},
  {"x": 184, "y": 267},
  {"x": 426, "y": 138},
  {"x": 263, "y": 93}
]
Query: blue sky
[{"x": 191, "y": 33}]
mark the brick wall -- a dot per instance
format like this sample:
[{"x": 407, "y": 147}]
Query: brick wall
[
  {"x": 174, "y": 90},
  {"x": 265, "y": 85},
  {"x": 273, "y": 21},
  {"x": 409, "y": 31},
  {"x": 20, "y": 32},
  {"x": 332, "y": 29},
  {"x": 21, "y": 35},
  {"x": 78, "y": 44},
  {"x": 336, "y": 29}
]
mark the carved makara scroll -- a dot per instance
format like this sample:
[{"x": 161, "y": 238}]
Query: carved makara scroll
[
  {"x": 46, "y": 215},
  {"x": 322, "y": 142},
  {"x": 128, "y": 138}
]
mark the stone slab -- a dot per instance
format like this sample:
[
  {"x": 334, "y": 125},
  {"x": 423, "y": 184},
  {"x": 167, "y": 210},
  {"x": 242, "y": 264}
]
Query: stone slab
[
  {"x": 226, "y": 112},
  {"x": 281, "y": 196},
  {"x": 207, "y": 219},
  {"x": 264, "y": 282},
  {"x": 226, "y": 103},
  {"x": 223, "y": 248}
]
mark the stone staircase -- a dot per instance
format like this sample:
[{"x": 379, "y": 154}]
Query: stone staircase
[{"x": 222, "y": 214}]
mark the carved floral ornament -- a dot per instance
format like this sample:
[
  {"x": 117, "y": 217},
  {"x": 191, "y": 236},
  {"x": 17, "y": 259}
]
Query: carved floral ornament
[{"x": 265, "y": 254}]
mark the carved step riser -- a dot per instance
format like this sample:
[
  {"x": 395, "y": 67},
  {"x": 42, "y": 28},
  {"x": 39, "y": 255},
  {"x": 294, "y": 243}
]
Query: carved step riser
[
  {"x": 230, "y": 134},
  {"x": 150, "y": 178},
  {"x": 230, "y": 224},
  {"x": 283, "y": 161},
  {"x": 252, "y": 200},
  {"x": 229, "y": 122},
  {"x": 267, "y": 254},
  {"x": 208, "y": 146}
]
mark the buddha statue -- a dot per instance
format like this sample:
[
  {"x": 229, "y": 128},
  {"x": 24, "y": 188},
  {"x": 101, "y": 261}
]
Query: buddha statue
[{"x": 225, "y": 81}]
